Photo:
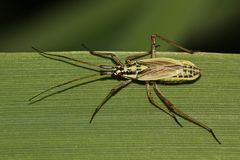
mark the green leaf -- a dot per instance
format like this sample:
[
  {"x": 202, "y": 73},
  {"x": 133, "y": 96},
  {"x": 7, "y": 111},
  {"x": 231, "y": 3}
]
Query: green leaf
[{"x": 127, "y": 127}]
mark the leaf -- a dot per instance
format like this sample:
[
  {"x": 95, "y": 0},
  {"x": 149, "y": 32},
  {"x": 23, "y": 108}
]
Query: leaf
[{"x": 127, "y": 127}]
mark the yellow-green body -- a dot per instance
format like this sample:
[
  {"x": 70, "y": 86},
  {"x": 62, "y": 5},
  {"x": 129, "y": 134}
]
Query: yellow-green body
[{"x": 164, "y": 70}]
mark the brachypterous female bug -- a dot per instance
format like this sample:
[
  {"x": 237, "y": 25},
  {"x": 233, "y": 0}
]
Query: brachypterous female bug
[{"x": 150, "y": 71}]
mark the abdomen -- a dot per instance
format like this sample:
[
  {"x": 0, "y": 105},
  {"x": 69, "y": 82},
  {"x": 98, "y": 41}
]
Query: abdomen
[
  {"x": 167, "y": 70},
  {"x": 188, "y": 73}
]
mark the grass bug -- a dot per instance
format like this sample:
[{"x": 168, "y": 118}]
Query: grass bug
[{"x": 149, "y": 71}]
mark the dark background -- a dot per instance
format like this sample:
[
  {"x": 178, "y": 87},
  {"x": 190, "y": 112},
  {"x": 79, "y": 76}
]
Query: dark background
[{"x": 124, "y": 25}]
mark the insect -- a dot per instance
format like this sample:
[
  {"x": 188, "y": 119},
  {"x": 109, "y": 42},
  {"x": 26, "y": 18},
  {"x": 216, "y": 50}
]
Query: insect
[{"x": 149, "y": 71}]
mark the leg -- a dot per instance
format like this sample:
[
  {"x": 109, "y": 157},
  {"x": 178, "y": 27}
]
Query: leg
[
  {"x": 173, "y": 43},
  {"x": 153, "y": 46},
  {"x": 113, "y": 57},
  {"x": 152, "y": 51},
  {"x": 113, "y": 91},
  {"x": 150, "y": 98},
  {"x": 182, "y": 114},
  {"x": 128, "y": 59}
]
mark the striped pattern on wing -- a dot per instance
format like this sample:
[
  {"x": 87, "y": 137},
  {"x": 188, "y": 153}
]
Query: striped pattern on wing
[{"x": 159, "y": 68}]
